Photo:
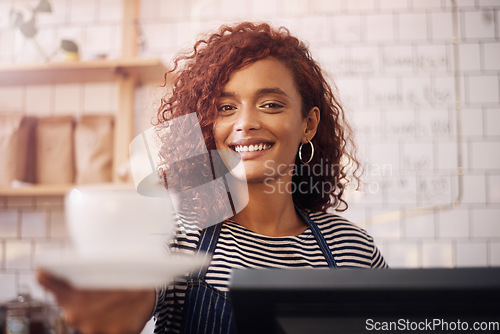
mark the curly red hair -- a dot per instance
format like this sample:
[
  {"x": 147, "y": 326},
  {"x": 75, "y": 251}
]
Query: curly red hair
[{"x": 201, "y": 74}]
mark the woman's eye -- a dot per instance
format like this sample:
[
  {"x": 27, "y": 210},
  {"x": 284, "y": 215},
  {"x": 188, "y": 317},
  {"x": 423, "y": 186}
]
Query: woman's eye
[
  {"x": 225, "y": 109},
  {"x": 272, "y": 106}
]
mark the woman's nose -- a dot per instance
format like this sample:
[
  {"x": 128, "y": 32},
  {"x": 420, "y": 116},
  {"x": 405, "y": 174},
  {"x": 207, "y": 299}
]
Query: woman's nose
[{"x": 247, "y": 120}]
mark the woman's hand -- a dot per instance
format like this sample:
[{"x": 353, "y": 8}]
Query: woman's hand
[{"x": 101, "y": 311}]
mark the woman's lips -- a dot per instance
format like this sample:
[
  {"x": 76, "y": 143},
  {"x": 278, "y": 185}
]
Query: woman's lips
[
  {"x": 252, "y": 148},
  {"x": 251, "y": 151}
]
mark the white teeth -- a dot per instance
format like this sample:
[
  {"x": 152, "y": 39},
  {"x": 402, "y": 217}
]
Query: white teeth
[{"x": 252, "y": 148}]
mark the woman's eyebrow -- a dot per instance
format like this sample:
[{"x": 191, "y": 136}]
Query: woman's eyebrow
[
  {"x": 261, "y": 91},
  {"x": 227, "y": 94},
  {"x": 276, "y": 90}
]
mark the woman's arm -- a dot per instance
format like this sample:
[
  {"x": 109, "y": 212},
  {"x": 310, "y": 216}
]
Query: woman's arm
[{"x": 101, "y": 311}]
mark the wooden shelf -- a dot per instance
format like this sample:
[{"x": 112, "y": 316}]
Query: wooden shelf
[
  {"x": 143, "y": 70},
  {"x": 128, "y": 72},
  {"x": 36, "y": 190}
]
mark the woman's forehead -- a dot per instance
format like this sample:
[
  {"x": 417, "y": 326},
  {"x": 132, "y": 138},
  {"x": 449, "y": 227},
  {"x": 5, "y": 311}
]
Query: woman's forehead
[{"x": 264, "y": 76}]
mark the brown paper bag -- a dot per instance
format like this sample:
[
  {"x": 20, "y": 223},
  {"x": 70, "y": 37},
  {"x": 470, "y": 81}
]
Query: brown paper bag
[
  {"x": 27, "y": 148},
  {"x": 94, "y": 149},
  {"x": 54, "y": 142},
  {"x": 9, "y": 148},
  {"x": 17, "y": 158}
]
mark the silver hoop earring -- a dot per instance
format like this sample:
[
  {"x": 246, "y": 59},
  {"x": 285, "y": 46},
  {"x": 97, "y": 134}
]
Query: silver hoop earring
[{"x": 312, "y": 152}]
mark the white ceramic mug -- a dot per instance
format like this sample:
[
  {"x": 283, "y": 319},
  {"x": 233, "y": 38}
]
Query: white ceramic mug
[{"x": 112, "y": 221}]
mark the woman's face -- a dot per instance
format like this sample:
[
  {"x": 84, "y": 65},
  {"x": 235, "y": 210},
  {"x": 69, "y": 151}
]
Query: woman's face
[{"x": 260, "y": 118}]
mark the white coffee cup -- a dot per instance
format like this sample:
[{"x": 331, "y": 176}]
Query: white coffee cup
[{"x": 116, "y": 222}]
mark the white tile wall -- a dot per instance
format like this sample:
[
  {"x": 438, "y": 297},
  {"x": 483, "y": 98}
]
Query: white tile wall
[
  {"x": 485, "y": 155},
  {"x": 33, "y": 224},
  {"x": 39, "y": 100},
  {"x": 398, "y": 58},
  {"x": 4, "y": 14},
  {"x": 492, "y": 122},
  {"x": 386, "y": 152},
  {"x": 437, "y": 189},
  {"x": 485, "y": 223},
  {"x": 148, "y": 9},
  {"x": 346, "y": 28},
  {"x": 8, "y": 287},
  {"x": 357, "y": 6},
  {"x": 412, "y": 27},
  {"x": 26, "y": 50},
  {"x": 462, "y": 3},
  {"x": 266, "y": 9},
  {"x": 12, "y": 99},
  {"x": 493, "y": 188},
  {"x": 490, "y": 56},
  {"x": 417, "y": 156},
  {"x": 446, "y": 155},
  {"x": 441, "y": 26},
  {"x": 494, "y": 251},
  {"x": 83, "y": 11},
  {"x": 437, "y": 254},
  {"x": 390, "y": 5},
  {"x": 470, "y": 58},
  {"x": 68, "y": 99},
  {"x": 386, "y": 230},
  {"x": 479, "y": 24},
  {"x": 100, "y": 98},
  {"x": 472, "y": 120},
  {"x": 486, "y": 3},
  {"x": 59, "y": 15},
  {"x": 405, "y": 254},
  {"x": 9, "y": 225},
  {"x": 379, "y": 28},
  {"x": 419, "y": 227},
  {"x": 316, "y": 32},
  {"x": 294, "y": 8},
  {"x": 471, "y": 254},
  {"x": 482, "y": 88},
  {"x": 392, "y": 61},
  {"x": 416, "y": 4},
  {"x": 110, "y": 11},
  {"x": 6, "y": 46},
  {"x": 18, "y": 254},
  {"x": 474, "y": 189},
  {"x": 453, "y": 224},
  {"x": 97, "y": 39},
  {"x": 57, "y": 225}
]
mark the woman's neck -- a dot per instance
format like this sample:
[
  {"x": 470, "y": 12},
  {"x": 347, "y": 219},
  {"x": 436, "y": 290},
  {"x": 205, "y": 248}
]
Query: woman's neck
[{"x": 270, "y": 211}]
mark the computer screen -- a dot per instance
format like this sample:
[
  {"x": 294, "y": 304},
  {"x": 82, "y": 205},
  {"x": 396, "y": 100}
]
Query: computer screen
[{"x": 306, "y": 301}]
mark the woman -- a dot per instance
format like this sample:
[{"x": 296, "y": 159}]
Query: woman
[{"x": 257, "y": 92}]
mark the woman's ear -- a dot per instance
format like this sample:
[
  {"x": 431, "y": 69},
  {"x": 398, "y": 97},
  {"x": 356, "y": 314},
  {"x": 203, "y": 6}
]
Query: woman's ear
[{"x": 311, "y": 124}]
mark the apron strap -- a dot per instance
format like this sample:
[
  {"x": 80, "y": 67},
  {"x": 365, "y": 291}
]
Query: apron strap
[
  {"x": 319, "y": 238},
  {"x": 208, "y": 241}
]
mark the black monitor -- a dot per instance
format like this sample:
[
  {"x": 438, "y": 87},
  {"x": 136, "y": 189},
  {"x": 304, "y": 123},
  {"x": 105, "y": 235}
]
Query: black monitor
[{"x": 315, "y": 301}]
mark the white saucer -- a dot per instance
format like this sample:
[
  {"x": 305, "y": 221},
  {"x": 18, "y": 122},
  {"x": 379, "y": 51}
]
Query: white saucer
[{"x": 118, "y": 273}]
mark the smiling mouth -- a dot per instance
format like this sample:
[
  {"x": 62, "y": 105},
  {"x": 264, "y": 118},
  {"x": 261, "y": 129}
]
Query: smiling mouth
[{"x": 251, "y": 148}]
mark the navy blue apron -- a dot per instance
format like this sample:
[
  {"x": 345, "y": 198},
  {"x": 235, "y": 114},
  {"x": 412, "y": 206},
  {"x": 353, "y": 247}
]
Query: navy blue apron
[{"x": 207, "y": 309}]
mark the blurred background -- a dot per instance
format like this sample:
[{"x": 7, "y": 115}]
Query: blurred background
[{"x": 419, "y": 80}]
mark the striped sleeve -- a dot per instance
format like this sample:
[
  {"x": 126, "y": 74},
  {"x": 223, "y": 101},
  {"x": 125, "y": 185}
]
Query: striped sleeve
[{"x": 377, "y": 259}]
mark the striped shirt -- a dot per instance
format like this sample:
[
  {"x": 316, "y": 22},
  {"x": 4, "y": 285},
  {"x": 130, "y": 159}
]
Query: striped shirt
[{"x": 238, "y": 247}]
